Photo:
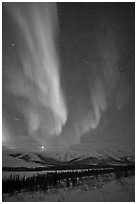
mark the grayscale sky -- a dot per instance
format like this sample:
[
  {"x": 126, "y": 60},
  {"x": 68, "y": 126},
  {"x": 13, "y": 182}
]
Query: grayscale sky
[{"x": 68, "y": 75}]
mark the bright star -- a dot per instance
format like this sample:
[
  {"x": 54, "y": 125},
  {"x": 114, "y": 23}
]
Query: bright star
[{"x": 17, "y": 119}]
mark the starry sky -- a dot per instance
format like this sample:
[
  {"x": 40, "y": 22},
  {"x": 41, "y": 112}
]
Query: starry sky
[{"x": 68, "y": 76}]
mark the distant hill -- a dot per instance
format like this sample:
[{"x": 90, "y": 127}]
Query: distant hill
[{"x": 12, "y": 158}]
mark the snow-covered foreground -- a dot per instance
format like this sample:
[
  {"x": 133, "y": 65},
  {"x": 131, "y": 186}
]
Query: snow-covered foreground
[{"x": 109, "y": 187}]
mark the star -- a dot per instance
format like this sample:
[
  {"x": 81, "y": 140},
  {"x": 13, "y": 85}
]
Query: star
[
  {"x": 121, "y": 68},
  {"x": 119, "y": 107},
  {"x": 16, "y": 119},
  {"x": 86, "y": 62},
  {"x": 13, "y": 44}
]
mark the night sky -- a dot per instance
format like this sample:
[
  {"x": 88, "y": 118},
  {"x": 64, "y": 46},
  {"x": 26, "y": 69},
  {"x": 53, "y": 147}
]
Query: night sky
[{"x": 68, "y": 76}]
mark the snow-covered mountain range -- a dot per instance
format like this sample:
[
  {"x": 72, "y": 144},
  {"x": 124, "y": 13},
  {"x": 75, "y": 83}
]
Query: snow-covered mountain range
[{"x": 12, "y": 158}]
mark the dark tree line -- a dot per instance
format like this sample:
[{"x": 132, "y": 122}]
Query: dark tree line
[
  {"x": 44, "y": 181},
  {"x": 34, "y": 183}
]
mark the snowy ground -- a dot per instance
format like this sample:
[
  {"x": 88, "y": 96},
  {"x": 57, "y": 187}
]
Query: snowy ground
[{"x": 103, "y": 188}]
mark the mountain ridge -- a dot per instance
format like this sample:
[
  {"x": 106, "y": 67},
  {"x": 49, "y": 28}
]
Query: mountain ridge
[{"x": 46, "y": 159}]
